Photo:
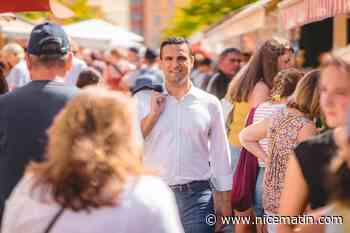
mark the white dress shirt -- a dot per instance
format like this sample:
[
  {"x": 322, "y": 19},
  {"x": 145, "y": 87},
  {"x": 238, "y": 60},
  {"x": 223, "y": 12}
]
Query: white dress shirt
[
  {"x": 188, "y": 134},
  {"x": 18, "y": 76},
  {"x": 146, "y": 204}
]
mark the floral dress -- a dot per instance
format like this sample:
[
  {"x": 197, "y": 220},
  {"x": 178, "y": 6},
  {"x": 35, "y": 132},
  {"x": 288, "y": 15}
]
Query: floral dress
[{"x": 283, "y": 135}]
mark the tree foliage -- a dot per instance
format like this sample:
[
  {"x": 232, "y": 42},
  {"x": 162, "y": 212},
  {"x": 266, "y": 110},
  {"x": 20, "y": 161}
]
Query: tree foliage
[
  {"x": 82, "y": 10},
  {"x": 201, "y": 13}
]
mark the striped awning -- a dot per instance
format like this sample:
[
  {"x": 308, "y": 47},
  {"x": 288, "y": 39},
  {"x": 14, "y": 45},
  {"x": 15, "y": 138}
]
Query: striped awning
[{"x": 299, "y": 12}]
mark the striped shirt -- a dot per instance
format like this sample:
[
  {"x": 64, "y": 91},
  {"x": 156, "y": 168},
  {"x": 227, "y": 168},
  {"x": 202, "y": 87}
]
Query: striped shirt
[{"x": 266, "y": 110}]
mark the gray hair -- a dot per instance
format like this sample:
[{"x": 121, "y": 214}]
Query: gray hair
[{"x": 14, "y": 48}]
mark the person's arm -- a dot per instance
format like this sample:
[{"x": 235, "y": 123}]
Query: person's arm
[
  {"x": 251, "y": 135},
  {"x": 295, "y": 194},
  {"x": 157, "y": 107},
  {"x": 220, "y": 161},
  {"x": 312, "y": 228},
  {"x": 294, "y": 201},
  {"x": 260, "y": 94},
  {"x": 12, "y": 79},
  {"x": 307, "y": 132}
]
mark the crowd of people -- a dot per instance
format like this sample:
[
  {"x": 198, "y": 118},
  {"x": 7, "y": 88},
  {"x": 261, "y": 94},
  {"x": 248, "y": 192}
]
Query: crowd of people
[{"x": 96, "y": 141}]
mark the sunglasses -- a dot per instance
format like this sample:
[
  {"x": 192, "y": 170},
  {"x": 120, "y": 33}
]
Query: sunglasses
[{"x": 233, "y": 60}]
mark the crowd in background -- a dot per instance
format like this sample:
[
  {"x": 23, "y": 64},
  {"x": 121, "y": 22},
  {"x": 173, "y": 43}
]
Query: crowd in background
[{"x": 241, "y": 135}]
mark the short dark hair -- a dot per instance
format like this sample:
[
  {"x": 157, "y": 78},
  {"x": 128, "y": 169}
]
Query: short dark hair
[
  {"x": 229, "y": 50},
  {"x": 134, "y": 50},
  {"x": 88, "y": 76},
  {"x": 175, "y": 40},
  {"x": 150, "y": 55}
]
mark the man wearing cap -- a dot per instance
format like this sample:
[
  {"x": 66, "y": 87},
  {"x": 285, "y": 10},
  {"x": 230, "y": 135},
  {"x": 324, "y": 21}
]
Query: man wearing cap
[
  {"x": 185, "y": 140},
  {"x": 149, "y": 70},
  {"x": 27, "y": 112}
]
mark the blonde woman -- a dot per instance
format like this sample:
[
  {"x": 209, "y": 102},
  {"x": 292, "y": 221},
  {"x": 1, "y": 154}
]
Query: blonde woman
[
  {"x": 284, "y": 130},
  {"x": 313, "y": 190},
  {"x": 93, "y": 180}
]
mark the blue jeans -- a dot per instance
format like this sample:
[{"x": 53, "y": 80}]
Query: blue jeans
[
  {"x": 235, "y": 152},
  {"x": 258, "y": 207},
  {"x": 194, "y": 205}
]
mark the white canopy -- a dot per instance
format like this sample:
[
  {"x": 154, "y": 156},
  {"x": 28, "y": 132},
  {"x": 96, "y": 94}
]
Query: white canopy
[
  {"x": 17, "y": 28},
  {"x": 98, "y": 34}
]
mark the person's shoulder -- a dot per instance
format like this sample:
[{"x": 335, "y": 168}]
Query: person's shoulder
[
  {"x": 22, "y": 65},
  {"x": 325, "y": 138},
  {"x": 15, "y": 94},
  {"x": 59, "y": 90},
  {"x": 215, "y": 76},
  {"x": 204, "y": 96},
  {"x": 321, "y": 145},
  {"x": 77, "y": 61},
  {"x": 261, "y": 87},
  {"x": 23, "y": 187},
  {"x": 62, "y": 86}
]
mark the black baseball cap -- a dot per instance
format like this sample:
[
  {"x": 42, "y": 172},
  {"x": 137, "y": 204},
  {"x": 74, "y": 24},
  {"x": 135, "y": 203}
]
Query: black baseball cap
[{"x": 48, "y": 39}]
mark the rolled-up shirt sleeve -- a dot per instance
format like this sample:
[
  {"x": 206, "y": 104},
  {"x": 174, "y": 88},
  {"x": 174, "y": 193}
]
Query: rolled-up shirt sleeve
[{"x": 219, "y": 152}]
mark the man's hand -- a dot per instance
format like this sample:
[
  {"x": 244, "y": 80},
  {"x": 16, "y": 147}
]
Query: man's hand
[
  {"x": 157, "y": 107},
  {"x": 222, "y": 204},
  {"x": 157, "y": 104}
]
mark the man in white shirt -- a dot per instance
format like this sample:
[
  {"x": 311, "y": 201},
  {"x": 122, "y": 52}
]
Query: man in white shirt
[
  {"x": 185, "y": 140},
  {"x": 19, "y": 74}
]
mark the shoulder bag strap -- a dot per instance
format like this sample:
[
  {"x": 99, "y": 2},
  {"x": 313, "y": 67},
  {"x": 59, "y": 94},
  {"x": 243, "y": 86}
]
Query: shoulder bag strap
[{"x": 54, "y": 220}]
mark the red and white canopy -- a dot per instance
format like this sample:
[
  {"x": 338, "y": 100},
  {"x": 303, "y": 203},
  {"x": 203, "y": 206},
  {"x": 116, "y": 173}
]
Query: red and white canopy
[{"x": 299, "y": 12}]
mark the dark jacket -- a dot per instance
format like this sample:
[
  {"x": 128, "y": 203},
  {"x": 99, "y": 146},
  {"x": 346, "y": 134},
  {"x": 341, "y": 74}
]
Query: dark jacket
[
  {"x": 218, "y": 84},
  {"x": 25, "y": 115}
]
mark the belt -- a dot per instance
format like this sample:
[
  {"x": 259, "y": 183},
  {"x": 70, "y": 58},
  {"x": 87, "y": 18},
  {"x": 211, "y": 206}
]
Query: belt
[{"x": 190, "y": 186}]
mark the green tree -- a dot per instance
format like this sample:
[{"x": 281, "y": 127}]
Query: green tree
[
  {"x": 82, "y": 10},
  {"x": 201, "y": 13}
]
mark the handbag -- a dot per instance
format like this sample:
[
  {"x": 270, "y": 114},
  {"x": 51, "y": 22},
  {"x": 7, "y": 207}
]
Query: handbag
[{"x": 244, "y": 178}]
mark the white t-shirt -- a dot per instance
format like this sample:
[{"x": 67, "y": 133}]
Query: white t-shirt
[{"x": 146, "y": 204}]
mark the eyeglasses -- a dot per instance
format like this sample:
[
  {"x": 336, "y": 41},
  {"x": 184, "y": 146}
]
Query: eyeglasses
[{"x": 234, "y": 60}]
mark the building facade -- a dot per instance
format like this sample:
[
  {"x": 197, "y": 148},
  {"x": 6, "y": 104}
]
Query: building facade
[
  {"x": 116, "y": 12},
  {"x": 150, "y": 17}
]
